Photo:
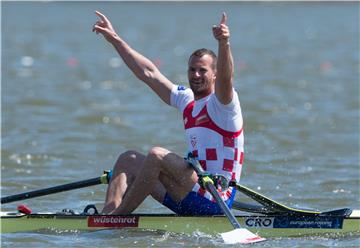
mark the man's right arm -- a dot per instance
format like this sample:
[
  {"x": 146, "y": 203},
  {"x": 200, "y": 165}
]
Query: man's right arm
[{"x": 141, "y": 66}]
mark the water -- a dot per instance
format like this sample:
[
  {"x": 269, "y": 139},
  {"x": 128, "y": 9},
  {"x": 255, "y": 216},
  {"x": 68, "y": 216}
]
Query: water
[{"x": 70, "y": 106}]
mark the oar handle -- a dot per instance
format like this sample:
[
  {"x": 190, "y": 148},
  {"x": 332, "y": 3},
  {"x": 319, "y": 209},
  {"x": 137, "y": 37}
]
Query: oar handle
[
  {"x": 104, "y": 179},
  {"x": 194, "y": 163}
]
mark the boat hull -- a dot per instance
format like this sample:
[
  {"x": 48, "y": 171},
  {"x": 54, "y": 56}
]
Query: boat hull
[{"x": 266, "y": 226}]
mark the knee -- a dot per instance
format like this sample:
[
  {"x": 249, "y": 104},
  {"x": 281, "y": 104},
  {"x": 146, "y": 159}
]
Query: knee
[
  {"x": 157, "y": 154},
  {"x": 127, "y": 159}
]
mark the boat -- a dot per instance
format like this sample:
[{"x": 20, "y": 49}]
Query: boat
[
  {"x": 337, "y": 223},
  {"x": 256, "y": 221}
]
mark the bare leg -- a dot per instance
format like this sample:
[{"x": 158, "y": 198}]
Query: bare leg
[
  {"x": 124, "y": 173},
  {"x": 160, "y": 165},
  {"x": 126, "y": 168}
]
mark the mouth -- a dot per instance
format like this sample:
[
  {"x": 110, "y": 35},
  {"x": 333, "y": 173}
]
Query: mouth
[{"x": 196, "y": 82}]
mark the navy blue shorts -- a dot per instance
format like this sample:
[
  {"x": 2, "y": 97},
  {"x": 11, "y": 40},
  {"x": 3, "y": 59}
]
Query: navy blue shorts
[{"x": 195, "y": 204}]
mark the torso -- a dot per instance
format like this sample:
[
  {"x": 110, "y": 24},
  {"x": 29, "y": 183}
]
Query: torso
[{"x": 213, "y": 132}]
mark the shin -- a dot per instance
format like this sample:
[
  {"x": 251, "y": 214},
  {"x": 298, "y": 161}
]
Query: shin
[{"x": 125, "y": 171}]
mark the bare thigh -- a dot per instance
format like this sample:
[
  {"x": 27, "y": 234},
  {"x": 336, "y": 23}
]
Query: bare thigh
[
  {"x": 177, "y": 176},
  {"x": 126, "y": 169}
]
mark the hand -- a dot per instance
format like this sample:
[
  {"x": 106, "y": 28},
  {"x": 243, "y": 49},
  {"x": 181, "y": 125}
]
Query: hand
[
  {"x": 222, "y": 32},
  {"x": 104, "y": 27}
]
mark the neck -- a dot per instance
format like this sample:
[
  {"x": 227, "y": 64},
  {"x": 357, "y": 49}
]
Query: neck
[
  {"x": 200, "y": 96},
  {"x": 203, "y": 94}
]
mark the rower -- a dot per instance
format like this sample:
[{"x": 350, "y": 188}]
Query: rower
[{"x": 213, "y": 126}]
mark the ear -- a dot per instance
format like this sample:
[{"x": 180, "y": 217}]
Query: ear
[{"x": 214, "y": 76}]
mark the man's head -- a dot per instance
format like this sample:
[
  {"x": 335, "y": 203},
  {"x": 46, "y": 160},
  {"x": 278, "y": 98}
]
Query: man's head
[{"x": 202, "y": 72}]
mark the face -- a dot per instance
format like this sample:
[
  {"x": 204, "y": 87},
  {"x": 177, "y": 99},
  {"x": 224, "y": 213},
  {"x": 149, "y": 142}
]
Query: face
[{"x": 201, "y": 76}]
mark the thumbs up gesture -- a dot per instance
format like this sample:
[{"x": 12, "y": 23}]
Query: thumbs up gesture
[{"x": 221, "y": 32}]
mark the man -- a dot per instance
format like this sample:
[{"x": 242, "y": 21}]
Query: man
[{"x": 213, "y": 124}]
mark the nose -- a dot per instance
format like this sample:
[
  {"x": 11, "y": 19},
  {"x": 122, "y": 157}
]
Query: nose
[{"x": 197, "y": 74}]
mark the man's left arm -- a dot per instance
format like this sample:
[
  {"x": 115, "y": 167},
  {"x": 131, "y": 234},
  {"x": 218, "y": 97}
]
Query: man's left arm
[{"x": 225, "y": 64}]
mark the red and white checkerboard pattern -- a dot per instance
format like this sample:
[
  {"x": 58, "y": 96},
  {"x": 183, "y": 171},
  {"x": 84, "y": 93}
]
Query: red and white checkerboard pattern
[{"x": 218, "y": 151}]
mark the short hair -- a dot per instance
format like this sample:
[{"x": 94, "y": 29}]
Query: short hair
[{"x": 203, "y": 51}]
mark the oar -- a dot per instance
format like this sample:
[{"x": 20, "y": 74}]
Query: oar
[
  {"x": 239, "y": 234},
  {"x": 252, "y": 208},
  {"x": 104, "y": 179},
  {"x": 269, "y": 204}
]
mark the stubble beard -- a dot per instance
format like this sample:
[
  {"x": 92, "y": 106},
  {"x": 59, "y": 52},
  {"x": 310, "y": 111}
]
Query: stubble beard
[{"x": 200, "y": 89}]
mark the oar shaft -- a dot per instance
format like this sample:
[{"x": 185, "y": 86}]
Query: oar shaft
[
  {"x": 211, "y": 188},
  {"x": 251, "y": 208},
  {"x": 56, "y": 189},
  {"x": 270, "y": 204},
  {"x": 239, "y": 234}
]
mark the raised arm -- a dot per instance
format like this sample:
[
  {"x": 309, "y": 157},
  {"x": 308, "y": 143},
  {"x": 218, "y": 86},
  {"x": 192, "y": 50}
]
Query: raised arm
[
  {"x": 225, "y": 64},
  {"x": 141, "y": 66}
]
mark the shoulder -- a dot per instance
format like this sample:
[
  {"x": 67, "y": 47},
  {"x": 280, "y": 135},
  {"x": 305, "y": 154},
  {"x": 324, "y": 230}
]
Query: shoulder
[
  {"x": 229, "y": 116},
  {"x": 233, "y": 105},
  {"x": 180, "y": 90},
  {"x": 181, "y": 96}
]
